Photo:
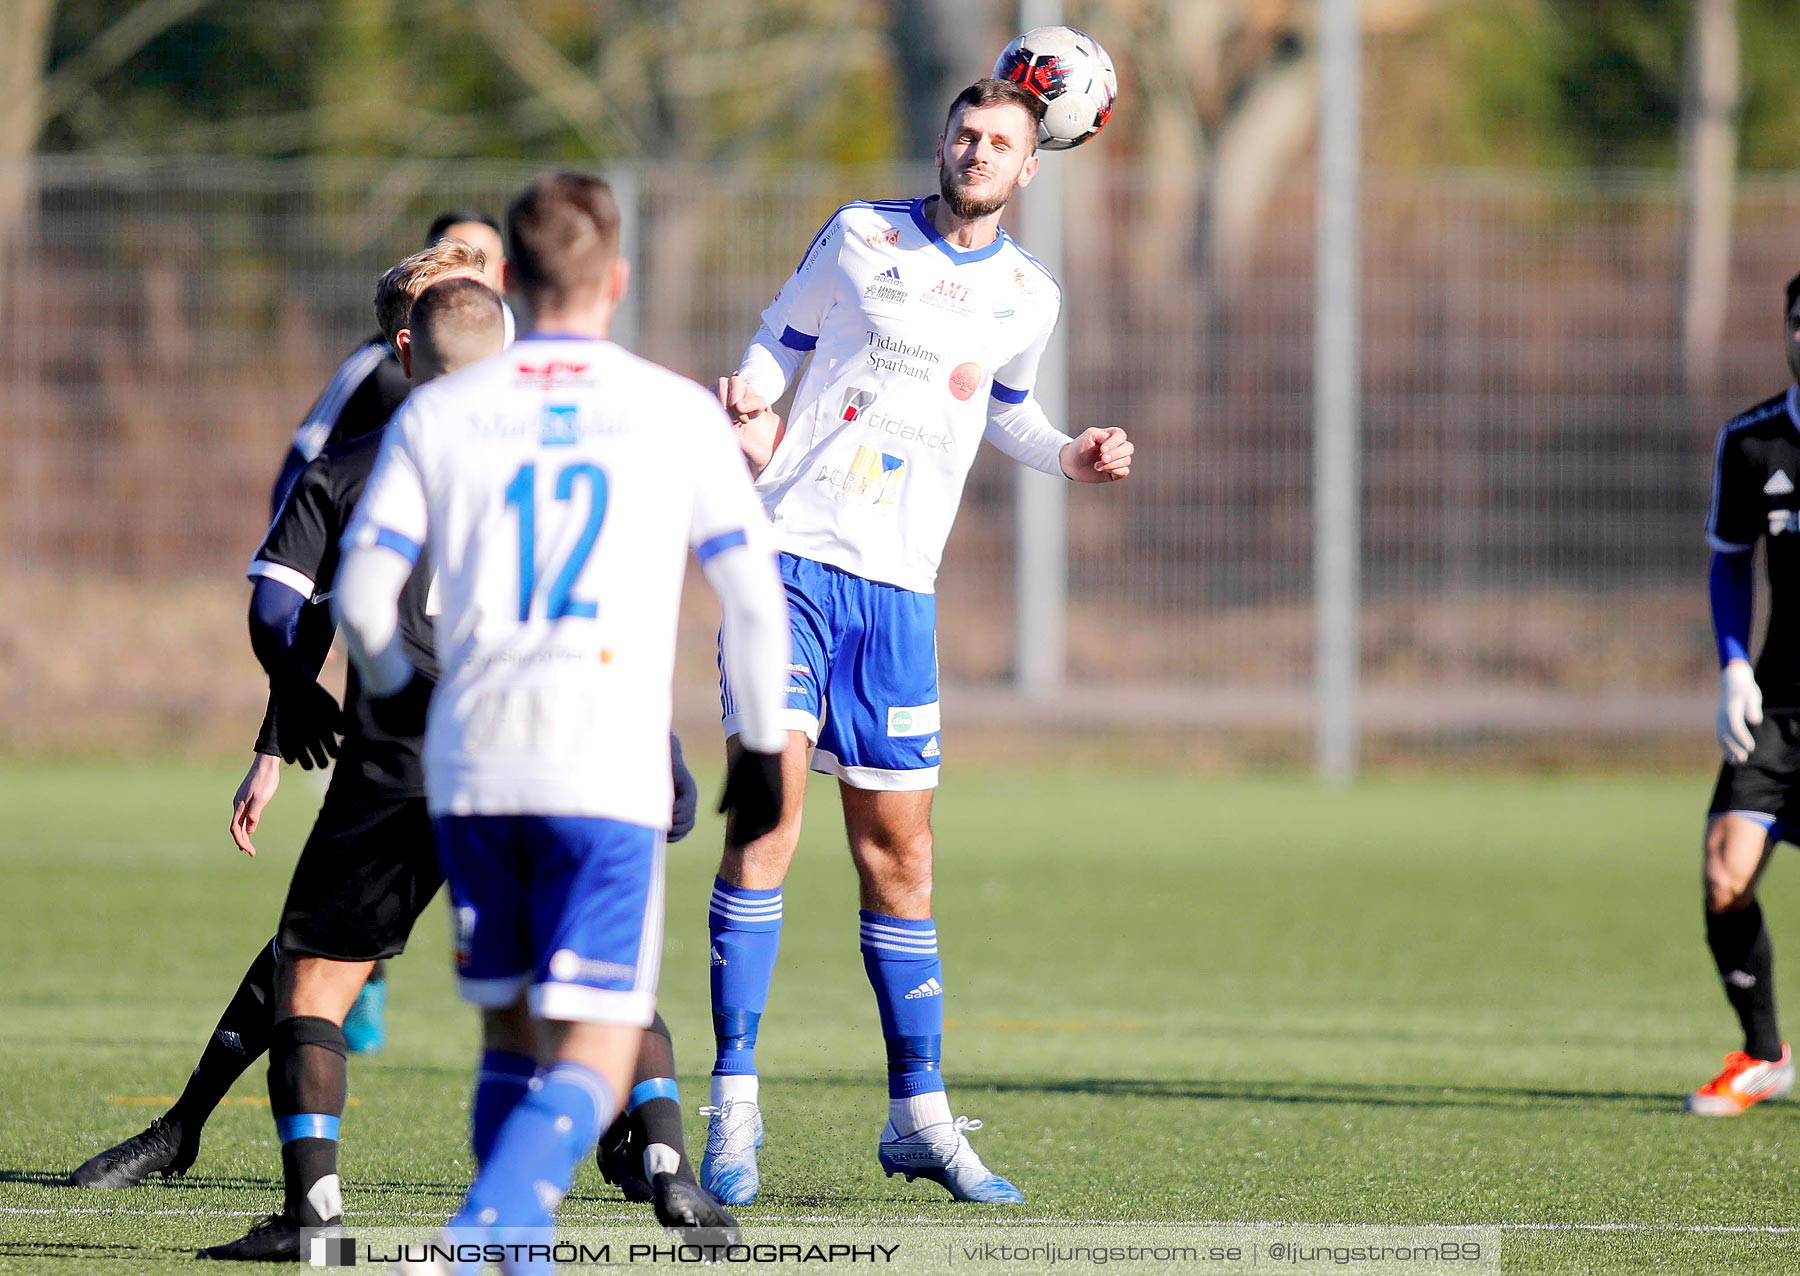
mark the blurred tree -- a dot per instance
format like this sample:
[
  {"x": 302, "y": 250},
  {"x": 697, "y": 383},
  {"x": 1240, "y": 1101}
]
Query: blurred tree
[
  {"x": 1222, "y": 84},
  {"x": 940, "y": 46},
  {"x": 1575, "y": 83},
  {"x": 21, "y": 104}
]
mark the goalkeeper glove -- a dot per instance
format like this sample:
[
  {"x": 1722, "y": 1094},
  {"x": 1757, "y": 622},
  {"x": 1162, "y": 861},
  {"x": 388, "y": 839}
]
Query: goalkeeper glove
[
  {"x": 1740, "y": 709},
  {"x": 308, "y": 722},
  {"x": 687, "y": 793},
  {"x": 752, "y": 798}
]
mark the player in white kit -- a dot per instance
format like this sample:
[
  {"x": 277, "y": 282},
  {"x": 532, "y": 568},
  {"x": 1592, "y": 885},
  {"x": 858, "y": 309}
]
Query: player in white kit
[
  {"x": 560, "y": 487},
  {"x": 925, "y": 323}
]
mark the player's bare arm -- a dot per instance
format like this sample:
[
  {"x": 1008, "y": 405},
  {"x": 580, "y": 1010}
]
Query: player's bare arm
[
  {"x": 759, "y": 428},
  {"x": 253, "y": 794},
  {"x": 1098, "y": 456}
]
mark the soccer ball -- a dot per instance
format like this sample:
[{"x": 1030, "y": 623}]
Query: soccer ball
[{"x": 1070, "y": 74}]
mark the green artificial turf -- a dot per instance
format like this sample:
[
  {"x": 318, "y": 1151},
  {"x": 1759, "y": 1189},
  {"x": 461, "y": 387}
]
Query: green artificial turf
[{"x": 1410, "y": 1002}]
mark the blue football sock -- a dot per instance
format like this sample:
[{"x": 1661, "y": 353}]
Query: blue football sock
[
  {"x": 500, "y": 1083},
  {"x": 901, "y": 957},
  {"x": 549, "y": 1132},
  {"x": 745, "y": 926}
]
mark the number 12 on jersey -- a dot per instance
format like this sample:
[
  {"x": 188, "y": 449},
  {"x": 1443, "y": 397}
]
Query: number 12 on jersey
[{"x": 521, "y": 495}]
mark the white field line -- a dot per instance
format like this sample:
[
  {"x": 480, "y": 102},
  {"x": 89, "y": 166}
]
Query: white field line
[{"x": 823, "y": 1220}]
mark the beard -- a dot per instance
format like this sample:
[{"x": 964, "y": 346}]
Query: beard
[{"x": 967, "y": 207}]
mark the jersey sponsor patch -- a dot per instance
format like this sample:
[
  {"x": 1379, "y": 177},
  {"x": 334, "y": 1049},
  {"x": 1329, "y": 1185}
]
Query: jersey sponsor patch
[
  {"x": 873, "y": 477},
  {"x": 855, "y": 400},
  {"x": 947, "y": 294},
  {"x": 559, "y": 425},
  {"x": 904, "y": 721},
  {"x": 888, "y": 287}
]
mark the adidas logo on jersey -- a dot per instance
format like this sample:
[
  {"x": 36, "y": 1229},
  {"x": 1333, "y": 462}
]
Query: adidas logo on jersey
[
  {"x": 930, "y": 988},
  {"x": 1779, "y": 484},
  {"x": 887, "y": 286}
]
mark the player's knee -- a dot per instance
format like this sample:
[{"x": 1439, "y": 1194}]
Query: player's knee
[
  {"x": 900, "y": 864},
  {"x": 1727, "y": 888}
]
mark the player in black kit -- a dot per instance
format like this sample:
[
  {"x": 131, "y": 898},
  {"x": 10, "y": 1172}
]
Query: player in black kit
[
  {"x": 369, "y": 867},
  {"x": 369, "y": 385},
  {"x": 365, "y": 391},
  {"x": 1756, "y": 803}
]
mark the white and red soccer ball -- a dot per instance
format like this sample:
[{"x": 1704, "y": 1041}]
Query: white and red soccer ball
[{"x": 1070, "y": 74}]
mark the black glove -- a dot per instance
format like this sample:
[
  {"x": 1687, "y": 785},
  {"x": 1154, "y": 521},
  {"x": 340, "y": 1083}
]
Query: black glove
[
  {"x": 308, "y": 722},
  {"x": 402, "y": 714},
  {"x": 752, "y": 796},
  {"x": 687, "y": 793}
]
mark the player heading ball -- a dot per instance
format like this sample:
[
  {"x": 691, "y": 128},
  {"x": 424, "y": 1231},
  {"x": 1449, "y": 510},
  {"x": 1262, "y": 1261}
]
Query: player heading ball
[{"x": 925, "y": 322}]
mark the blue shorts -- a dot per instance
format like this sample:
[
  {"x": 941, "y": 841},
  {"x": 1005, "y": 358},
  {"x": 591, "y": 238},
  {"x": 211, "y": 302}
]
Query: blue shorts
[
  {"x": 863, "y": 684},
  {"x": 566, "y": 908}
]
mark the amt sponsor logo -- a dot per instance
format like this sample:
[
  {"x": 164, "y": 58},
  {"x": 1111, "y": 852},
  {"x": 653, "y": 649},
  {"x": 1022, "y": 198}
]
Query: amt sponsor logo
[{"x": 949, "y": 295}]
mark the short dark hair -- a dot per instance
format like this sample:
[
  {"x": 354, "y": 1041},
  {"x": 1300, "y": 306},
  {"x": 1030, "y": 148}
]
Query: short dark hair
[
  {"x": 396, "y": 290},
  {"x": 562, "y": 234},
  {"x": 456, "y": 321},
  {"x": 1793, "y": 295},
  {"x": 992, "y": 92},
  {"x": 456, "y": 217}
]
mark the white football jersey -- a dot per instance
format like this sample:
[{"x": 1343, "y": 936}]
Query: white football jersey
[
  {"x": 910, "y": 338},
  {"x": 559, "y": 486}
]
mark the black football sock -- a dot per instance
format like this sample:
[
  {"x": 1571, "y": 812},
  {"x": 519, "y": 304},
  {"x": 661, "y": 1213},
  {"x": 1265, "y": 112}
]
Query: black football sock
[
  {"x": 308, "y": 1081},
  {"x": 379, "y": 974},
  {"x": 1746, "y": 960},
  {"x": 237, "y": 1042},
  {"x": 655, "y": 1105}
]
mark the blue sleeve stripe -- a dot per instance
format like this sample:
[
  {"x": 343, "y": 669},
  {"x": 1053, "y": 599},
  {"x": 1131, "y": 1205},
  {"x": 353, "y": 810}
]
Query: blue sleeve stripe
[
  {"x": 407, "y": 549},
  {"x": 719, "y": 544},
  {"x": 307, "y": 1125},
  {"x": 794, "y": 339},
  {"x": 1006, "y": 394},
  {"x": 653, "y": 1088}
]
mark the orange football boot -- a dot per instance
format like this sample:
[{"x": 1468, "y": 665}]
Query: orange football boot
[{"x": 1742, "y": 1082}]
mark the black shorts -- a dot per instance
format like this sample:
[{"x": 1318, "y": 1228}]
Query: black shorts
[
  {"x": 367, "y": 871},
  {"x": 1766, "y": 788}
]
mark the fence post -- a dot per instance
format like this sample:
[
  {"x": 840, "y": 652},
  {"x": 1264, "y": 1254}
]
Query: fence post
[
  {"x": 1337, "y": 395},
  {"x": 1041, "y": 501}
]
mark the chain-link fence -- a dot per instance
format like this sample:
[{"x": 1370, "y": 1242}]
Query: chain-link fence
[{"x": 1535, "y": 474}]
